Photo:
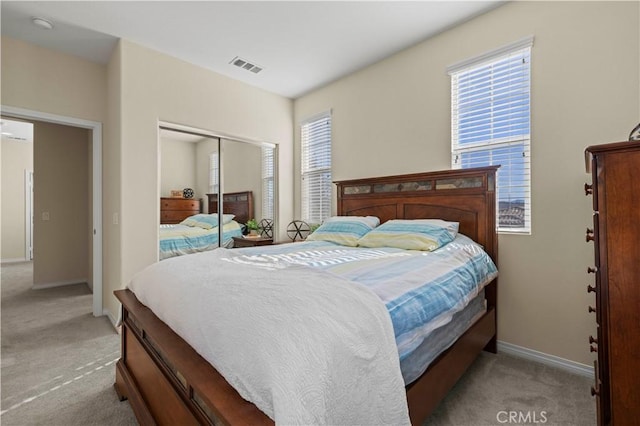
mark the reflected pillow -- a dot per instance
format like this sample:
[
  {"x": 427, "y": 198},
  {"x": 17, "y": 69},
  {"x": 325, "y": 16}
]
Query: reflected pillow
[
  {"x": 207, "y": 221},
  {"x": 344, "y": 230},
  {"x": 417, "y": 234}
]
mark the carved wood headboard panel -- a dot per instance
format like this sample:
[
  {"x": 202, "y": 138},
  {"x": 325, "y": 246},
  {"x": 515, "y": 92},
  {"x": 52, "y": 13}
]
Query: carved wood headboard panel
[{"x": 237, "y": 203}]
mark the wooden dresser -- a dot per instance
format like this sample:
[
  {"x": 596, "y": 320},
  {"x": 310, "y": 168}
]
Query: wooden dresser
[
  {"x": 175, "y": 210},
  {"x": 615, "y": 190}
]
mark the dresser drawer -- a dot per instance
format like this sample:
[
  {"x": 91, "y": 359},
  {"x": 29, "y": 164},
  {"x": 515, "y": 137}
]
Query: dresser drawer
[
  {"x": 175, "y": 210},
  {"x": 175, "y": 216},
  {"x": 179, "y": 204}
]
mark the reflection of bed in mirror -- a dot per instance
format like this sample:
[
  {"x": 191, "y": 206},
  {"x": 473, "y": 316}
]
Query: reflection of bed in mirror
[
  {"x": 237, "y": 203},
  {"x": 167, "y": 381},
  {"x": 199, "y": 233}
]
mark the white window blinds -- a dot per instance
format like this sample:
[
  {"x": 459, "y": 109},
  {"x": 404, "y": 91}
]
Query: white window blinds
[
  {"x": 268, "y": 195},
  {"x": 490, "y": 125},
  {"x": 316, "y": 168},
  {"x": 214, "y": 172}
]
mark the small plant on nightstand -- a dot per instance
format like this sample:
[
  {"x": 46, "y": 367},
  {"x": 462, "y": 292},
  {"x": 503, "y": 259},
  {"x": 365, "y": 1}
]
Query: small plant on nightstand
[{"x": 252, "y": 226}]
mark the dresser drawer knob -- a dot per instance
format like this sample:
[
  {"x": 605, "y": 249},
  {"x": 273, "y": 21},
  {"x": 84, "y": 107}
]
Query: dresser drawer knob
[
  {"x": 588, "y": 189},
  {"x": 591, "y": 270},
  {"x": 592, "y": 340},
  {"x": 591, "y": 289},
  {"x": 591, "y": 309},
  {"x": 594, "y": 391},
  {"x": 593, "y": 349}
]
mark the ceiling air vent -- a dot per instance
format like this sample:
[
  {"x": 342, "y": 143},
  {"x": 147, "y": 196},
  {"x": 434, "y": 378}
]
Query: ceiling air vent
[{"x": 246, "y": 65}]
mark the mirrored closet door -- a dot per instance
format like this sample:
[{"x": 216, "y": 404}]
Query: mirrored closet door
[
  {"x": 248, "y": 180},
  {"x": 213, "y": 190}
]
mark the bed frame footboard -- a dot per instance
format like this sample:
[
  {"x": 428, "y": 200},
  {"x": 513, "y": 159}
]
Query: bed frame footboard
[{"x": 168, "y": 382}]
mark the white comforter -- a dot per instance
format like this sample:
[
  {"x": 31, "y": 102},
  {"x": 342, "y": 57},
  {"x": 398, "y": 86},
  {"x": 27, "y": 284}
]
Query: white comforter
[{"x": 305, "y": 346}]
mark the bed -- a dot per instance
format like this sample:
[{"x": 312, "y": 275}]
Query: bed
[
  {"x": 168, "y": 382},
  {"x": 199, "y": 232},
  {"x": 180, "y": 239}
]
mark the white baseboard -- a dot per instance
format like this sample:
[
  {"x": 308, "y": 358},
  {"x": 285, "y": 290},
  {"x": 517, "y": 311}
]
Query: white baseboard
[
  {"x": 114, "y": 322},
  {"x": 59, "y": 284},
  {"x": 543, "y": 358},
  {"x": 16, "y": 260}
]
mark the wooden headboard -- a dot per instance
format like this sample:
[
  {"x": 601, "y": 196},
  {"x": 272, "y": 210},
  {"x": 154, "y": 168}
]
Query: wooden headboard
[
  {"x": 466, "y": 196},
  {"x": 237, "y": 203}
]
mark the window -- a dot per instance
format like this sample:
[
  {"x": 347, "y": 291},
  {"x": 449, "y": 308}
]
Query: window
[
  {"x": 316, "y": 168},
  {"x": 214, "y": 173},
  {"x": 268, "y": 195},
  {"x": 490, "y": 125}
]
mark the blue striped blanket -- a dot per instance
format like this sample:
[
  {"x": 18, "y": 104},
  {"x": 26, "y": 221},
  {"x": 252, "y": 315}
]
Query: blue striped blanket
[
  {"x": 176, "y": 240},
  {"x": 421, "y": 290}
]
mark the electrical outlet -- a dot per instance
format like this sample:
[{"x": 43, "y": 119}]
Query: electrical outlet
[{"x": 115, "y": 219}]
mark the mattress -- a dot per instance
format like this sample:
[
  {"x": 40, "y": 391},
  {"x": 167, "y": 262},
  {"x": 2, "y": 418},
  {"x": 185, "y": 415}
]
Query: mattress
[
  {"x": 421, "y": 290},
  {"x": 177, "y": 240},
  {"x": 416, "y": 363}
]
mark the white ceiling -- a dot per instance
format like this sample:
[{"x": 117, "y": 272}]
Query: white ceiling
[{"x": 302, "y": 45}]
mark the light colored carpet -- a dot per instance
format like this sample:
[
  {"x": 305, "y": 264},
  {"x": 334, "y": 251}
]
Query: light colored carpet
[
  {"x": 504, "y": 390},
  {"x": 57, "y": 359},
  {"x": 58, "y": 369}
]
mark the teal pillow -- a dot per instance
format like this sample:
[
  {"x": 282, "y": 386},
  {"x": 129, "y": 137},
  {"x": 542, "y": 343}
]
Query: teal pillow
[
  {"x": 417, "y": 234},
  {"x": 344, "y": 230},
  {"x": 207, "y": 221}
]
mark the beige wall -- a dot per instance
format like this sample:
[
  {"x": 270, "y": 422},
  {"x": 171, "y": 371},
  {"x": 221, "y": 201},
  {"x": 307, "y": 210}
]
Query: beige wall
[
  {"x": 178, "y": 167},
  {"x": 242, "y": 171},
  {"x": 394, "y": 117},
  {"x": 61, "y": 190},
  {"x": 44, "y": 80},
  {"x": 17, "y": 157},
  {"x": 186, "y": 165},
  {"x": 155, "y": 87}
]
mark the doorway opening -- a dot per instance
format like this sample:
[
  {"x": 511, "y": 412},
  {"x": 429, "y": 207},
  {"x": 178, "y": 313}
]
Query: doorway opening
[{"x": 95, "y": 149}]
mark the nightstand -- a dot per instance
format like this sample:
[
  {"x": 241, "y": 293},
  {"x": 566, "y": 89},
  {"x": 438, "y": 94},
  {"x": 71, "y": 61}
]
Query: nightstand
[{"x": 251, "y": 242}]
